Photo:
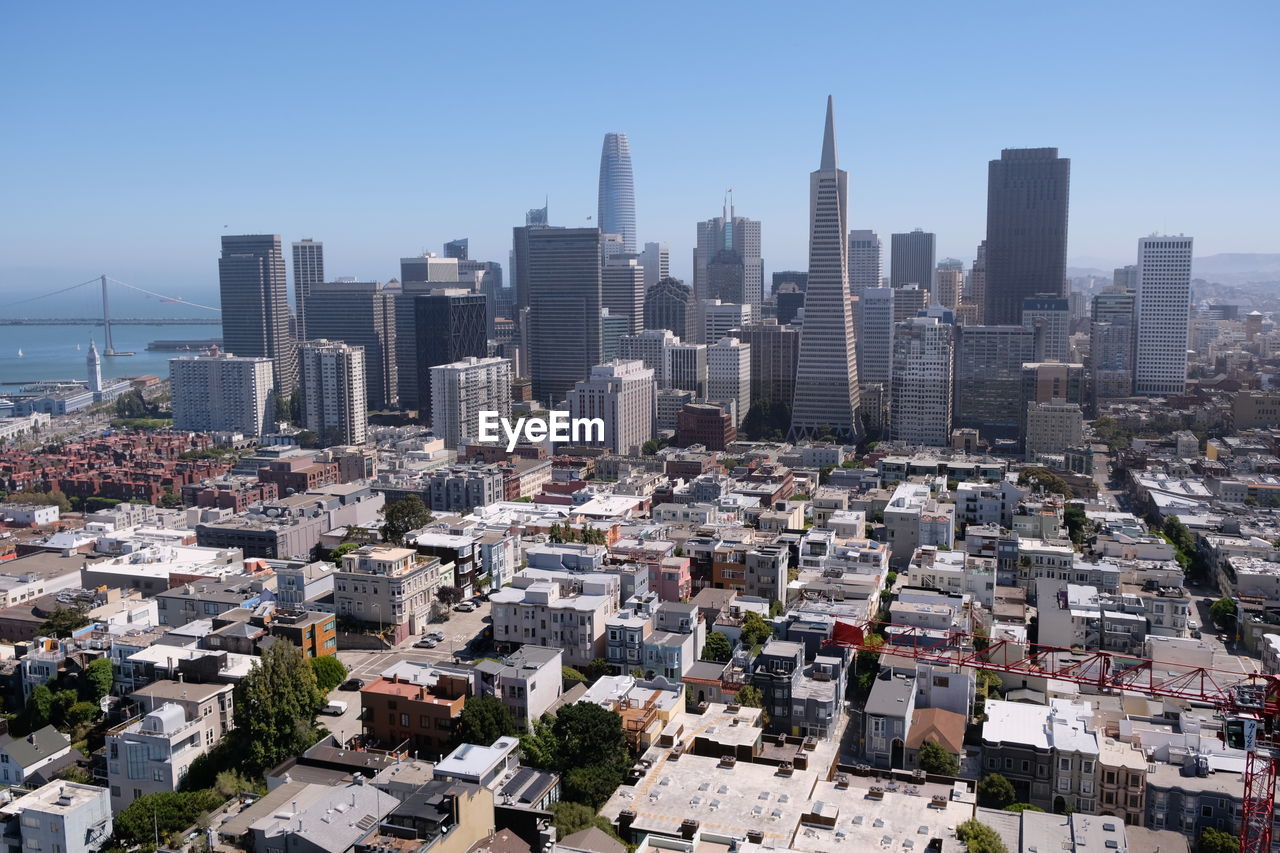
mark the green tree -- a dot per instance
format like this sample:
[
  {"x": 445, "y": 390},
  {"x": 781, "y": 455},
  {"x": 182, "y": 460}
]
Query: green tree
[
  {"x": 96, "y": 680},
  {"x": 1076, "y": 521},
  {"x": 749, "y": 696},
  {"x": 485, "y": 719},
  {"x": 131, "y": 404},
  {"x": 54, "y": 498},
  {"x": 162, "y": 814},
  {"x": 62, "y": 700},
  {"x": 755, "y": 631},
  {"x": 229, "y": 783},
  {"x": 867, "y": 663},
  {"x": 343, "y": 548},
  {"x": 275, "y": 708},
  {"x": 539, "y": 747},
  {"x": 65, "y": 620},
  {"x": 934, "y": 758},
  {"x": 1043, "y": 478},
  {"x": 570, "y": 676},
  {"x": 775, "y": 609},
  {"x": 39, "y": 709},
  {"x": 449, "y": 595},
  {"x": 399, "y": 518},
  {"x": 569, "y": 818},
  {"x": 1022, "y": 807},
  {"x": 597, "y": 669},
  {"x": 650, "y": 447},
  {"x": 330, "y": 672},
  {"x": 717, "y": 647},
  {"x": 1217, "y": 841},
  {"x": 82, "y": 714},
  {"x": 170, "y": 500},
  {"x": 996, "y": 792},
  {"x": 980, "y": 838},
  {"x": 1223, "y": 613},
  {"x": 307, "y": 438}
]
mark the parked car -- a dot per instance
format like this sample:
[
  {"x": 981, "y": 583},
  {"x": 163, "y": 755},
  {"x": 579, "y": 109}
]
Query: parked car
[
  {"x": 352, "y": 684},
  {"x": 426, "y": 643},
  {"x": 438, "y": 636},
  {"x": 464, "y": 607}
]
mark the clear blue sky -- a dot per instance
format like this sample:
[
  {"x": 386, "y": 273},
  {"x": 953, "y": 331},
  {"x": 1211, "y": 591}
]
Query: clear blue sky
[{"x": 135, "y": 133}]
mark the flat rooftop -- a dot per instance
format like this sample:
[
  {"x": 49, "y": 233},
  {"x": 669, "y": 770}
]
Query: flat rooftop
[{"x": 904, "y": 818}]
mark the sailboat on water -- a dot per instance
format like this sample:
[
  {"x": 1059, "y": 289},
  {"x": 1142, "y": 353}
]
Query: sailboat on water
[{"x": 19, "y": 352}]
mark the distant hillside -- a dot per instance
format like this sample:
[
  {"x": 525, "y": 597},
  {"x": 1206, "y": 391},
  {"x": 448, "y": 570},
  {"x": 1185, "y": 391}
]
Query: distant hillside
[{"x": 1238, "y": 266}]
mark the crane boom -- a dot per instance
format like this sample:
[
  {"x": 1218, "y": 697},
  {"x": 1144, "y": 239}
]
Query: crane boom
[{"x": 1250, "y": 701}]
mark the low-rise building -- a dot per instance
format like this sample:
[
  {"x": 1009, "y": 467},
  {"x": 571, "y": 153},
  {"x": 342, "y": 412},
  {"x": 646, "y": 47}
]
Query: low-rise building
[
  {"x": 389, "y": 587},
  {"x": 59, "y": 817},
  {"x": 151, "y": 754}
]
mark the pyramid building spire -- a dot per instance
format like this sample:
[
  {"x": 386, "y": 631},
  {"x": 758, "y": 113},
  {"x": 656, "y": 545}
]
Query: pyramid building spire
[{"x": 828, "y": 163}]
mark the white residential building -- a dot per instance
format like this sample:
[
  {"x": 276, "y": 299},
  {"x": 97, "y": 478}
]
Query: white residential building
[
  {"x": 331, "y": 377},
  {"x": 1162, "y": 306},
  {"x": 920, "y": 400},
  {"x": 557, "y": 610},
  {"x": 462, "y": 390},
  {"x": 152, "y": 754},
  {"x": 620, "y": 393},
  {"x": 729, "y": 376},
  {"x": 221, "y": 392},
  {"x": 914, "y": 518},
  {"x": 61, "y": 817}
]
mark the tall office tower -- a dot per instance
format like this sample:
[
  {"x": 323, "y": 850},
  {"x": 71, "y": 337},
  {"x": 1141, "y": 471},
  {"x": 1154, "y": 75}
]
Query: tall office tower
[
  {"x": 457, "y": 248},
  {"x": 650, "y": 347},
  {"x": 93, "y": 363},
  {"x": 1027, "y": 198},
  {"x": 331, "y": 377},
  {"x": 1050, "y": 318},
  {"x": 1048, "y": 382},
  {"x": 611, "y": 245},
  {"x": 612, "y": 328},
  {"x": 620, "y": 393},
  {"x": 616, "y": 212},
  {"x": 1163, "y": 308},
  {"x": 220, "y": 392},
  {"x": 726, "y": 260},
  {"x": 908, "y": 301},
  {"x": 827, "y": 371},
  {"x": 799, "y": 279},
  {"x": 875, "y": 334},
  {"x": 976, "y": 287},
  {"x": 774, "y": 349},
  {"x": 866, "y": 261},
  {"x": 721, "y": 318},
  {"x": 460, "y": 391},
  {"x": 622, "y": 290},
  {"x": 948, "y": 287},
  {"x": 255, "y": 305},
  {"x": 788, "y": 302},
  {"x": 920, "y": 396},
  {"x": 1126, "y": 277},
  {"x": 363, "y": 314},
  {"x": 988, "y": 378},
  {"x": 911, "y": 259},
  {"x": 431, "y": 269},
  {"x": 953, "y": 264},
  {"x": 418, "y": 277},
  {"x": 564, "y": 309},
  {"x": 669, "y": 305},
  {"x": 656, "y": 261},
  {"x": 687, "y": 367},
  {"x": 1111, "y": 338},
  {"x": 533, "y": 220},
  {"x": 449, "y": 326},
  {"x": 308, "y": 271},
  {"x": 729, "y": 376},
  {"x": 484, "y": 277}
]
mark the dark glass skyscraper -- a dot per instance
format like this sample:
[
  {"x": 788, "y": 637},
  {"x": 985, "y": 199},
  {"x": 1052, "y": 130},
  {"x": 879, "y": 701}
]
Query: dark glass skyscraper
[
  {"x": 308, "y": 270},
  {"x": 255, "y": 304},
  {"x": 1027, "y": 201},
  {"x": 564, "y": 309},
  {"x": 360, "y": 313},
  {"x": 450, "y": 326},
  {"x": 617, "y": 200},
  {"x": 911, "y": 257}
]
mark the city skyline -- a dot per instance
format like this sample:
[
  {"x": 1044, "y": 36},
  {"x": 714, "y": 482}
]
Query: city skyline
[{"x": 908, "y": 180}]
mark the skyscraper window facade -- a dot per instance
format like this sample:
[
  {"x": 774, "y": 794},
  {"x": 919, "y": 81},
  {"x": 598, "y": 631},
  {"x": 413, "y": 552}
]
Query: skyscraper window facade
[{"x": 617, "y": 197}]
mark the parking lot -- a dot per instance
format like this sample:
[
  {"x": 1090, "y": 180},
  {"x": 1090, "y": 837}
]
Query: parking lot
[{"x": 459, "y": 630}]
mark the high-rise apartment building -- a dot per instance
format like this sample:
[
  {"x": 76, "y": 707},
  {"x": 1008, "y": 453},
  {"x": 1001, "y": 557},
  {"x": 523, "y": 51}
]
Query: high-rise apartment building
[
  {"x": 988, "y": 378},
  {"x": 948, "y": 287},
  {"x": 726, "y": 260},
  {"x": 449, "y": 325},
  {"x": 670, "y": 305},
  {"x": 721, "y": 318},
  {"x": 1049, "y": 382},
  {"x": 363, "y": 314},
  {"x": 1028, "y": 191},
  {"x": 976, "y": 287},
  {"x": 656, "y": 261},
  {"x": 564, "y": 309},
  {"x": 1163, "y": 309},
  {"x": 1111, "y": 340},
  {"x": 827, "y": 370},
  {"x": 255, "y": 305},
  {"x": 729, "y": 376},
  {"x": 331, "y": 377},
  {"x": 462, "y": 390},
  {"x": 908, "y": 301},
  {"x": 774, "y": 349},
  {"x": 911, "y": 259},
  {"x": 866, "y": 261},
  {"x": 649, "y": 347},
  {"x": 622, "y": 290},
  {"x": 617, "y": 196},
  {"x": 1052, "y": 428},
  {"x": 221, "y": 392},
  {"x": 1125, "y": 277},
  {"x": 308, "y": 271},
  {"x": 687, "y": 367},
  {"x": 620, "y": 393},
  {"x": 920, "y": 396},
  {"x": 1050, "y": 318},
  {"x": 875, "y": 334}
]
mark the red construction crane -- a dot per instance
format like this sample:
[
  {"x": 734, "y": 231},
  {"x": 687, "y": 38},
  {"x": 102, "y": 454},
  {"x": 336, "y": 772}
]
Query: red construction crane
[{"x": 1250, "y": 704}]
